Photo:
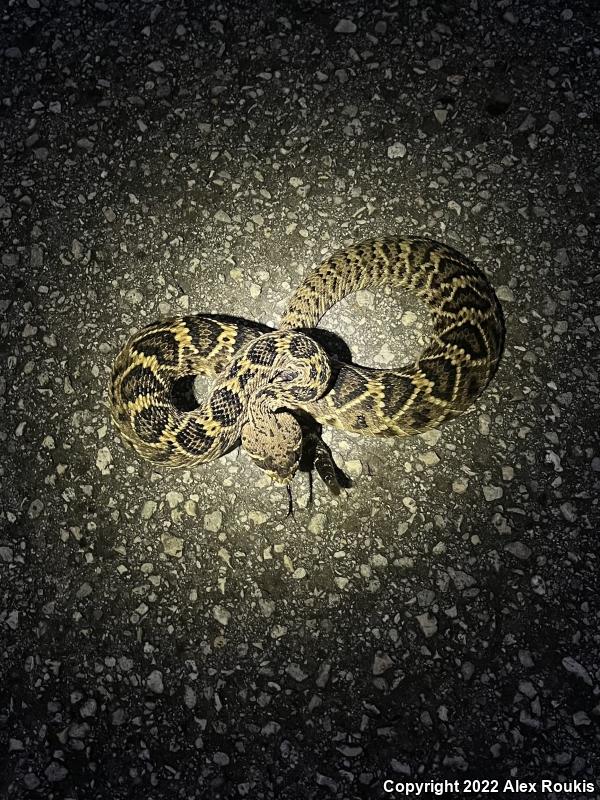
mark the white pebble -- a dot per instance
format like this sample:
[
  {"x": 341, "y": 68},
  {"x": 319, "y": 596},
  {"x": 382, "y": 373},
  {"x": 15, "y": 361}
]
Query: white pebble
[
  {"x": 299, "y": 573},
  {"x": 317, "y": 523},
  {"x": 505, "y": 293},
  {"x": 148, "y": 509},
  {"x": 428, "y": 624},
  {"x": 103, "y": 460},
  {"x": 154, "y": 682},
  {"x": 575, "y": 668},
  {"x": 492, "y": 493},
  {"x": 396, "y": 150},
  {"x": 222, "y": 615},
  {"x": 381, "y": 663},
  {"x": 257, "y": 517},
  {"x": 173, "y": 545},
  {"x": 213, "y": 521},
  {"x": 519, "y": 550},
  {"x": 222, "y": 216},
  {"x": 174, "y": 499},
  {"x": 189, "y": 697},
  {"x": 345, "y": 26},
  {"x": 295, "y": 672}
]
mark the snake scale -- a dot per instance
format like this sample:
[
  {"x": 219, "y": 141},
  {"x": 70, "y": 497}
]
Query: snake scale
[{"x": 265, "y": 381}]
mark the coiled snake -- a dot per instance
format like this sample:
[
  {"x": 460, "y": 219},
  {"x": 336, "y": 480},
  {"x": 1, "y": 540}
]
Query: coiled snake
[{"x": 266, "y": 382}]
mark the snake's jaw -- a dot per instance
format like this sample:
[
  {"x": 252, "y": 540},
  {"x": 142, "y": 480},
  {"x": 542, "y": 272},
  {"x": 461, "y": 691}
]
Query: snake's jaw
[
  {"x": 279, "y": 466},
  {"x": 280, "y": 472},
  {"x": 277, "y": 477}
]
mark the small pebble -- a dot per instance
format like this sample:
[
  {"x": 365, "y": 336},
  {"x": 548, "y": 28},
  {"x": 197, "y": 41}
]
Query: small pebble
[
  {"x": 222, "y": 615},
  {"x": 223, "y": 216},
  {"x": 345, "y": 26},
  {"x": 173, "y": 545},
  {"x": 381, "y": 663},
  {"x": 154, "y": 682},
  {"x": 396, "y": 150},
  {"x": 317, "y": 522},
  {"x": 148, "y": 509},
  {"x": 428, "y": 623},
  {"x": 519, "y": 550},
  {"x": 213, "y": 521}
]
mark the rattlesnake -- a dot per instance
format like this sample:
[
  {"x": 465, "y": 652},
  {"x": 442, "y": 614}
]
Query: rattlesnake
[{"x": 266, "y": 381}]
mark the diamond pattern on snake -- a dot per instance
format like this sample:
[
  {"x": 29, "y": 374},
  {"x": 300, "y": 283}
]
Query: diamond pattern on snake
[{"x": 267, "y": 385}]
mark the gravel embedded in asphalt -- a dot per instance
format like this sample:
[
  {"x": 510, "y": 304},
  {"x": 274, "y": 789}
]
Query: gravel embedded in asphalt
[{"x": 173, "y": 634}]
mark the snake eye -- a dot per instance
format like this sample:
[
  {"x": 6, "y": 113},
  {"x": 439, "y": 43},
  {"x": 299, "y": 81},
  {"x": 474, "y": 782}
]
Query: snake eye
[{"x": 285, "y": 375}]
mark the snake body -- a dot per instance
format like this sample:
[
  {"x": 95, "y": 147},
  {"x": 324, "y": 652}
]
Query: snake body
[{"x": 263, "y": 380}]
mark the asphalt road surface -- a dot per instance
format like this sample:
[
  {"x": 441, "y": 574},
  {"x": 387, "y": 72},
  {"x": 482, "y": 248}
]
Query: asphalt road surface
[{"x": 174, "y": 634}]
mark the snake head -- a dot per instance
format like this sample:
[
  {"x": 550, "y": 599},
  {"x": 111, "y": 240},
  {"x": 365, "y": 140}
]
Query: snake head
[
  {"x": 290, "y": 369},
  {"x": 273, "y": 441}
]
